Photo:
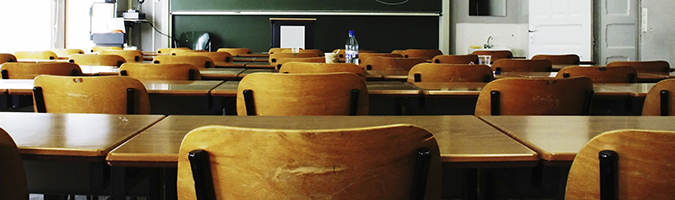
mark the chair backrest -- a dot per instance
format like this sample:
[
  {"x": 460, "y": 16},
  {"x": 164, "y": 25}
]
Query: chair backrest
[
  {"x": 168, "y": 50},
  {"x": 282, "y": 61},
  {"x": 616, "y": 74},
  {"x": 276, "y": 56},
  {"x": 339, "y": 93},
  {"x": 67, "y": 52},
  {"x": 97, "y": 60},
  {"x": 236, "y": 51},
  {"x": 197, "y": 61},
  {"x": 495, "y": 55},
  {"x": 195, "y": 40},
  {"x": 82, "y": 94},
  {"x": 456, "y": 59},
  {"x": 314, "y": 51},
  {"x": 522, "y": 65},
  {"x": 305, "y": 67},
  {"x": 364, "y": 56},
  {"x": 29, "y": 70},
  {"x": 101, "y": 48},
  {"x": 128, "y": 55},
  {"x": 644, "y": 66},
  {"x": 567, "y": 59},
  {"x": 426, "y": 54},
  {"x": 217, "y": 57},
  {"x": 433, "y": 72},
  {"x": 38, "y": 55},
  {"x": 660, "y": 99},
  {"x": 276, "y": 50},
  {"x": 397, "y": 51},
  {"x": 378, "y": 163},
  {"x": 536, "y": 96},
  {"x": 149, "y": 71},
  {"x": 13, "y": 184},
  {"x": 624, "y": 164},
  {"x": 390, "y": 63},
  {"x": 341, "y": 53},
  {"x": 7, "y": 57}
]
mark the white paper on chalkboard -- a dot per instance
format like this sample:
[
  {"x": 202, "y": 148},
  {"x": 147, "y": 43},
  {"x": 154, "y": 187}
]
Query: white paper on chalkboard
[{"x": 292, "y": 37}]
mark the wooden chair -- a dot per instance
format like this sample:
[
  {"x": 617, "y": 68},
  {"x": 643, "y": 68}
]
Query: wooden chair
[
  {"x": 341, "y": 53},
  {"x": 101, "y": 48},
  {"x": 536, "y": 96},
  {"x": 390, "y": 63},
  {"x": 36, "y": 55},
  {"x": 340, "y": 93},
  {"x": 7, "y": 57},
  {"x": 567, "y": 59},
  {"x": 660, "y": 99},
  {"x": 306, "y": 67},
  {"x": 658, "y": 66},
  {"x": 426, "y": 54},
  {"x": 82, "y": 94},
  {"x": 624, "y": 164},
  {"x": 168, "y": 50},
  {"x": 148, "y": 71},
  {"x": 456, "y": 59},
  {"x": 128, "y": 55},
  {"x": 364, "y": 56},
  {"x": 197, "y": 61},
  {"x": 432, "y": 72},
  {"x": 617, "y": 74},
  {"x": 282, "y": 61},
  {"x": 64, "y": 53},
  {"x": 397, "y": 51},
  {"x": 219, "y": 58},
  {"x": 13, "y": 184},
  {"x": 29, "y": 70},
  {"x": 97, "y": 60},
  {"x": 521, "y": 65},
  {"x": 276, "y": 50},
  {"x": 275, "y": 57},
  {"x": 236, "y": 51},
  {"x": 315, "y": 51},
  {"x": 496, "y": 55},
  {"x": 385, "y": 162}
]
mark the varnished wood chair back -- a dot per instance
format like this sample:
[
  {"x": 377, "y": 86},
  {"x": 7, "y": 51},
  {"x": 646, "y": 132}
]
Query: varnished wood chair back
[
  {"x": 276, "y": 56},
  {"x": 364, "y": 56},
  {"x": 397, "y": 51},
  {"x": 282, "y": 61},
  {"x": 168, "y": 50},
  {"x": 536, "y": 96},
  {"x": 658, "y": 66},
  {"x": 217, "y": 57},
  {"x": 235, "y": 51},
  {"x": 433, "y": 72},
  {"x": 128, "y": 55},
  {"x": 97, "y": 60},
  {"x": 426, "y": 54},
  {"x": 567, "y": 59},
  {"x": 378, "y": 163},
  {"x": 197, "y": 61},
  {"x": 660, "y": 99},
  {"x": 340, "y": 93},
  {"x": 390, "y": 63},
  {"x": 13, "y": 184},
  {"x": 522, "y": 65},
  {"x": 37, "y": 55},
  {"x": 616, "y": 74},
  {"x": 314, "y": 51},
  {"x": 82, "y": 94},
  {"x": 149, "y": 71},
  {"x": 495, "y": 55},
  {"x": 306, "y": 67},
  {"x": 276, "y": 50},
  {"x": 101, "y": 48},
  {"x": 624, "y": 164},
  {"x": 67, "y": 52},
  {"x": 29, "y": 70},
  {"x": 456, "y": 59},
  {"x": 7, "y": 57},
  {"x": 341, "y": 53}
]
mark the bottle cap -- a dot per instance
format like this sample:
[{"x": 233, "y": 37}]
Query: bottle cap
[{"x": 351, "y": 32}]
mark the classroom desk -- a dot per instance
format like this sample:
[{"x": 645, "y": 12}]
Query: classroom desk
[
  {"x": 175, "y": 88},
  {"x": 557, "y": 139},
  {"x": 463, "y": 140},
  {"x": 474, "y": 88},
  {"x": 220, "y": 73}
]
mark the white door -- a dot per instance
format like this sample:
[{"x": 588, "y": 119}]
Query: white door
[
  {"x": 560, "y": 27},
  {"x": 617, "y": 30}
]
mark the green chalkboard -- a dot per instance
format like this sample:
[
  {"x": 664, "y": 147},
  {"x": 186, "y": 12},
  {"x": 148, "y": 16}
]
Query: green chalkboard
[{"x": 426, "y": 6}]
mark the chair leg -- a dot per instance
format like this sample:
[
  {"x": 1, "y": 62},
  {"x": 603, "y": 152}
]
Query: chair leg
[
  {"x": 250, "y": 104},
  {"x": 354, "y": 106},
  {"x": 201, "y": 173},
  {"x": 665, "y": 102},
  {"x": 39, "y": 100},
  {"x": 587, "y": 102},
  {"x": 130, "y": 100},
  {"x": 494, "y": 103},
  {"x": 419, "y": 186},
  {"x": 608, "y": 174}
]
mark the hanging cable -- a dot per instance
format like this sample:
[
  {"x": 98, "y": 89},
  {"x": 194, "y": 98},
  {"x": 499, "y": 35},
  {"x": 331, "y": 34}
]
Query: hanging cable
[{"x": 392, "y": 4}]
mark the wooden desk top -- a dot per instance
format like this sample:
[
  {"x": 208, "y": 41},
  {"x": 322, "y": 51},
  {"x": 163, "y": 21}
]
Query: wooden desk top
[
  {"x": 191, "y": 88},
  {"x": 229, "y": 89},
  {"x": 632, "y": 89},
  {"x": 220, "y": 73},
  {"x": 100, "y": 70},
  {"x": 72, "y": 135},
  {"x": 250, "y": 71},
  {"x": 462, "y": 139},
  {"x": 559, "y": 138},
  {"x": 474, "y": 88},
  {"x": 253, "y": 55}
]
